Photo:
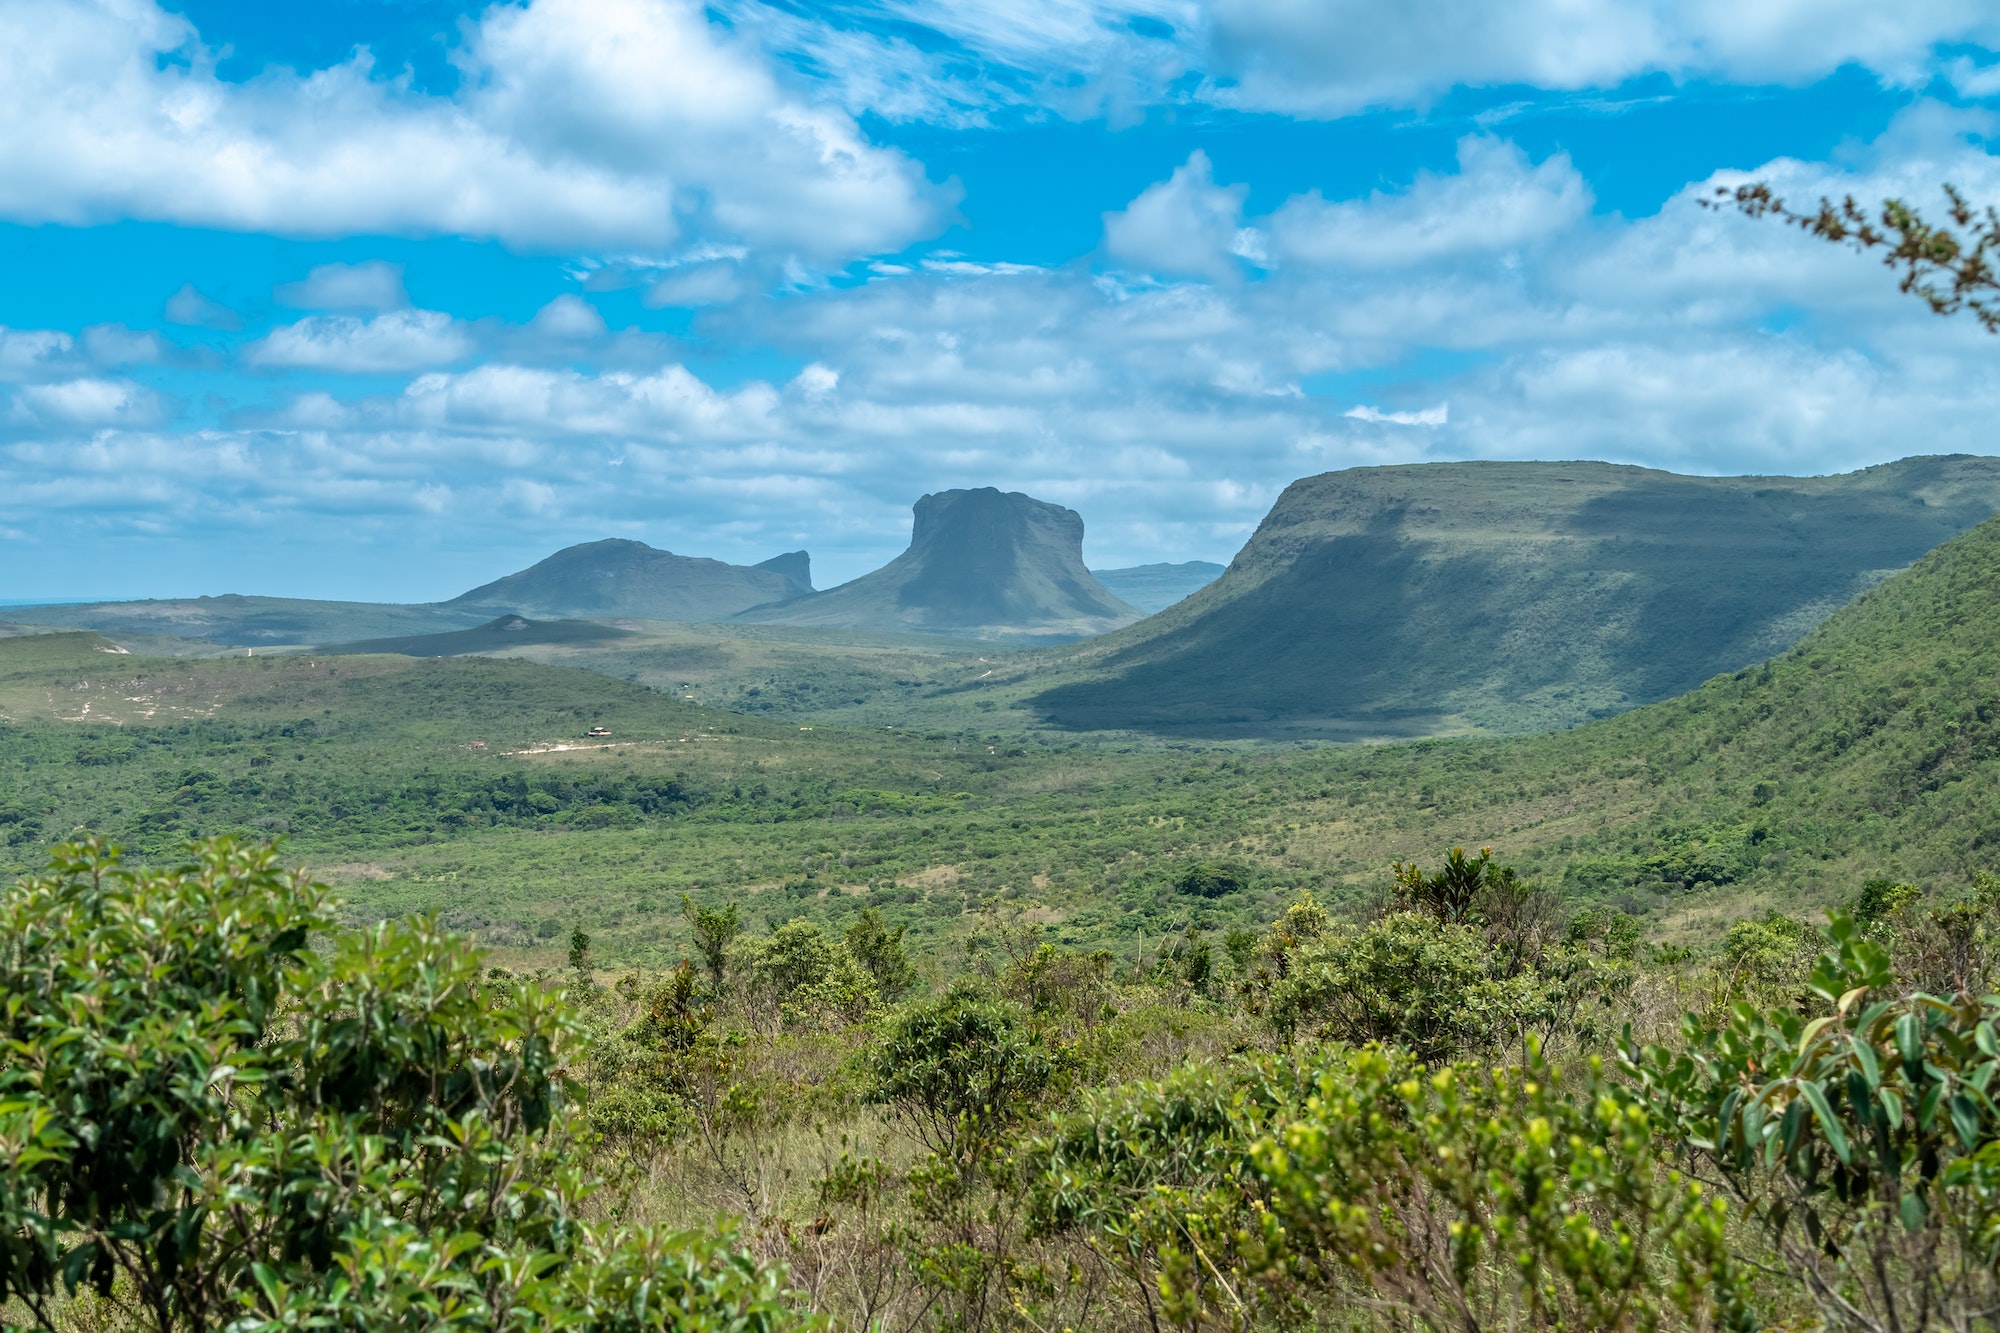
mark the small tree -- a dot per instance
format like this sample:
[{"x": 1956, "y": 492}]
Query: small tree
[
  {"x": 713, "y": 931},
  {"x": 1456, "y": 892},
  {"x": 960, "y": 1070},
  {"x": 880, "y": 950}
]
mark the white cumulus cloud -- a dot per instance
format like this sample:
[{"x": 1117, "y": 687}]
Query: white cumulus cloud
[
  {"x": 32, "y": 354},
  {"x": 1185, "y": 226},
  {"x": 1496, "y": 201},
  {"x": 1429, "y": 416},
  {"x": 580, "y": 124},
  {"x": 568, "y": 316},
  {"x": 86, "y": 403},
  {"x": 401, "y": 340}
]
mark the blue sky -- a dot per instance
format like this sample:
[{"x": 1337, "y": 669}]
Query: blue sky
[{"x": 379, "y": 299}]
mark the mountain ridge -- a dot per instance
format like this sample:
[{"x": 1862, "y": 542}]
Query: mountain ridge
[{"x": 1154, "y": 588}]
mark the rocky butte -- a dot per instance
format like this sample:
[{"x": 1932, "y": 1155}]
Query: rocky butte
[{"x": 981, "y": 564}]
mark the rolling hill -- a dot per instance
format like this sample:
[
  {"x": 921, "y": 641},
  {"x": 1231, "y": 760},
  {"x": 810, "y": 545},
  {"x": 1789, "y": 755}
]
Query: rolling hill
[
  {"x": 617, "y": 577},
  {"x": 981, "y": 564},
  {"x": 1508, "y": 596}
]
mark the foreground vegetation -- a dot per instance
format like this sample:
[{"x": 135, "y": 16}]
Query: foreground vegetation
[{"x": 1473, "y": 1110}]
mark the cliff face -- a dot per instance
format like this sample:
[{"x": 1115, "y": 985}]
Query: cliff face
[
  {"x": 982, "y": 564},
  {"x": 1511, "y": 596},
  {"x": 794, "y": 565},
  {"x": 628, "y": 578}
]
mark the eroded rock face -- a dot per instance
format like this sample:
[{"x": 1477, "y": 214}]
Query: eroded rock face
[
  {"x": 617, "y": 577},
  {"x": 983, "y": 563},
  {"x": 794, "y": 565}
]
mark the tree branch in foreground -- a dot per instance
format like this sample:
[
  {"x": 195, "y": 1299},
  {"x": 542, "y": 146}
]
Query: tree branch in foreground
[{"x": 1949, "y": 270}]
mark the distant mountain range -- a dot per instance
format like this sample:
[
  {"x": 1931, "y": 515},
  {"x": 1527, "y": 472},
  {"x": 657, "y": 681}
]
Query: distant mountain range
[
  {"x": 1154, "y": 588},
  {"x": 253, "y": 622},
  {"x": 1370, "y": 602},
  {"x": 1509, "y": 596},
  {"x": 981, "y": 563}
]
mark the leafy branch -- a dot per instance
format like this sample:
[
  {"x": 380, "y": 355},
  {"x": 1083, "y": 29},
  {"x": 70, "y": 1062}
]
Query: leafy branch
[{"x": 1949, "y": 270}]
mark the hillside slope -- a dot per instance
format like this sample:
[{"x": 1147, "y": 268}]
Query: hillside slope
[
  {"x": 980, "y": 564},
  {"x": 1877, "y": 736},
  {"x": 1509, "y": 596},
  {"x": 616, "y": 577}
]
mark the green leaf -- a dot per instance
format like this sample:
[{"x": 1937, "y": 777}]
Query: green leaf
[
  {"x": 1871, "y": 1069},
  {"x": 1965, "y": 1119},
  {"x": 1788, "y": 1132},
  {"x": 1836, "y": 1137},
  {"x": 1910, "y": 1044}
]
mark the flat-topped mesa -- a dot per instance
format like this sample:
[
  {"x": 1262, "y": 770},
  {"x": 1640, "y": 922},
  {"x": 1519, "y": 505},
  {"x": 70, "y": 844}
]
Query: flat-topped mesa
[
  {"x": 982, "y": 563},
  {"x": 1510, "y": 596},
  {"x": 618, "y": 577}
]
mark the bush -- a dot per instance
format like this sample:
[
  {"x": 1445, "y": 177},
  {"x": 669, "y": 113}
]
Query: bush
[
  {"x": 797, "y": 977},
  {"x": 880, "y": 950},
  {"x": 1480, "y": 1197},
  {"x": 1406, "y": 980},
  {"x": 213, "y": 1123},
  {"x": 1210, "y": 879},
  {"x": 1248, "y": 1195},
  {"x": 1861, "y": 1136},
  {"x": 960, "y": 1070}
]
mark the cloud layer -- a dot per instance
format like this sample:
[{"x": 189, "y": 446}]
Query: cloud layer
[
  {"x": 1323, "y": 58},
  {"x": 804, "y": 377},
  {"x": 1167, "y": 392},
  {"x": 579, "y": 124}
]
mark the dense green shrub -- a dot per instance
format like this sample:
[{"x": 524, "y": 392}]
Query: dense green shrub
[
  {"x": 879, "y": 949},
  {"x": 797, "y": 977},
  {"x": 1270, "y": 1192},
  {"x": 211, "y": 1122},
  {"x": 1861, "y": 1134},
  {"x": 1480, "y": 1197},
  {"x": 1211, "y": 879},
  {"x": 962, "y": 1069}
]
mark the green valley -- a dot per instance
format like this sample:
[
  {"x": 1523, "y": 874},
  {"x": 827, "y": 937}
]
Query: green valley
[{"x": 465, "y": 786}]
